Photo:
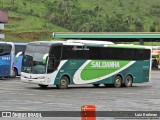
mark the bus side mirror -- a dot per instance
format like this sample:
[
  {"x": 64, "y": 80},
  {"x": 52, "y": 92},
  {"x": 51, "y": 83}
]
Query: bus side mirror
[
  {"x": 45, "y": 58},
  {"x": 18, "y": 54}
]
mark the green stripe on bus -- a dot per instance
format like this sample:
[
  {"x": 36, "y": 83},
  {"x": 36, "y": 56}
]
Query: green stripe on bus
[{"x": 99, "y": 68}]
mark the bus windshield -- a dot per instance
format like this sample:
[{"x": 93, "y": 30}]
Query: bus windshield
[
  {"x": 5, "y": 49},
  {"x": 33, "y": 59}
]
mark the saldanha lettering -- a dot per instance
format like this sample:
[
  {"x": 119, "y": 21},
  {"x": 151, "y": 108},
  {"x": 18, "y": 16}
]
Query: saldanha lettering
[{"x": 103, "y": 64}]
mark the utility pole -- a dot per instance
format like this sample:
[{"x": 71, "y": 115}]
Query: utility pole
[{"x": 141, "y": 41}]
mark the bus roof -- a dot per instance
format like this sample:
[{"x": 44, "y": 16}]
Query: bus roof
[
  {"x": 16, "y": 43},
  {"x": 10, "y": 43},
  {"x": 93, "y": 43}
]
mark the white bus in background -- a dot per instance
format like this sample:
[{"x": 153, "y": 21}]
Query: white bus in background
[{"x": 62, "y": 63}]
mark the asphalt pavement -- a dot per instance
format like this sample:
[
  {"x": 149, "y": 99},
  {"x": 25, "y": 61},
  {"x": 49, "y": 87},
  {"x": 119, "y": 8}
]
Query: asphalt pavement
[{"x": 18, "y": 96}]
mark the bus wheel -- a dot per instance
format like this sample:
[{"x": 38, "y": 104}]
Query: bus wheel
[
  {"x": 128, "y": 81},
  {"x": 14, "y": 73},
  {"x": 117, "y": 81},
  {"x": 63, "y": 83},
  {"x": 43, "y": 86},
  {"x": 96, "y": 85}
]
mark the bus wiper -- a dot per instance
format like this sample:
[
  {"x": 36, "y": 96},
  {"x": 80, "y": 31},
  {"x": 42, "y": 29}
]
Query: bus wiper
[
  {"x": 29, "y": 64},
  {"x": 25, "y": 69}
]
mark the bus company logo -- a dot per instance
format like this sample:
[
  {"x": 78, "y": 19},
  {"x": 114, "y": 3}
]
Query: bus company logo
[
  {"x": 6, "y": 114},
  {"x": 95, "y": 64},
  {"x": 80, "y": 48},
  {"x": 6, "y": 58}
]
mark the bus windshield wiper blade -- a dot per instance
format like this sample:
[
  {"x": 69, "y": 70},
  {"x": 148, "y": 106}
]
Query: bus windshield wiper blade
[{"x": 29, "y": 65}]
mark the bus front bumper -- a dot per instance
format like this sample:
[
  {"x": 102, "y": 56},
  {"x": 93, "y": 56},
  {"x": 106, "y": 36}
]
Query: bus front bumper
[{"x": 34, "y": 81}]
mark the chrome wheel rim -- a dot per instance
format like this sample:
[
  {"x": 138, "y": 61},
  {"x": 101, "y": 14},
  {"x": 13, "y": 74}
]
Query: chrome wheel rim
[
  {"x": 118, "y": 82},
  {"x": 63, "y": 82}
]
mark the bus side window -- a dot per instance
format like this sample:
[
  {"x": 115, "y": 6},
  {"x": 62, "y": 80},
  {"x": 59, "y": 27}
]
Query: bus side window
[
  {"x": 137, "y": 54},
  {"x": 1, "y": 51},
  {"x": 94, "y": 53},
  {"x": 146, "y": 54},
  {"x": 68, "y": 52},
  {"x": 19, "y": 48}
]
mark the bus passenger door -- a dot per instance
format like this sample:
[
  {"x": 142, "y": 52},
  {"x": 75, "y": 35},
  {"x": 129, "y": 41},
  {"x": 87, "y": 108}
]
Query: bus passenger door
[{"x": 54, "y": 58}]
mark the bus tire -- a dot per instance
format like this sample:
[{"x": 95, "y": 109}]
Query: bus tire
[
  {"x": 96, "y": 85},
  {"x": 15, "y": 73},
  {"x": 128, "y": 81},
  {"x": 63, "y": 83},
  {"x": 117, "y": 82},
  {"x": 43, "y": 86}
]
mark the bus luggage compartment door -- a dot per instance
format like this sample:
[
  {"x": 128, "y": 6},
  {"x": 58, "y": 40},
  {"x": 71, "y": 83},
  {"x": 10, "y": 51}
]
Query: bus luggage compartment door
[{"x": 4, "y": 71}]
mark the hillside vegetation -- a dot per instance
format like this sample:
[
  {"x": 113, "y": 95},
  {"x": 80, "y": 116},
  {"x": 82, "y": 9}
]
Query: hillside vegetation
[{"x": 37, "y": 19}]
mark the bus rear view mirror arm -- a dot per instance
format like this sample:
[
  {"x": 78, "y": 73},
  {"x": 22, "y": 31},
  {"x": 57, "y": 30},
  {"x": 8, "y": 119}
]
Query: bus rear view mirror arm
[
  {"x": 45, "y": 58},
  {"x": 18, "y": 54}
]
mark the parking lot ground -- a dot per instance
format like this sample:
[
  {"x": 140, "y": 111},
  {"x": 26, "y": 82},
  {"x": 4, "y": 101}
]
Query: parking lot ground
[{"x": 18, "y": 96}]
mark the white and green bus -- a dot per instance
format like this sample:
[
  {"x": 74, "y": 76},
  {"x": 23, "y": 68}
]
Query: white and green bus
[{"x": 63, "y": 63}]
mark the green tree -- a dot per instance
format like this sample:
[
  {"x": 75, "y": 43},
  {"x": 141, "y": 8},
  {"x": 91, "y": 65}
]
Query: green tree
[
  {"x": 117, "y": 24},
  {"x": 152, "y": 28},
  {"x": 139, "y": 26}
]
